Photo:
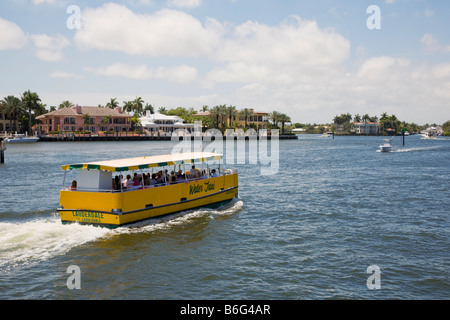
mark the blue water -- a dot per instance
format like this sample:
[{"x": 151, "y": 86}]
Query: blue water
[{"x": 308, "y": 231}]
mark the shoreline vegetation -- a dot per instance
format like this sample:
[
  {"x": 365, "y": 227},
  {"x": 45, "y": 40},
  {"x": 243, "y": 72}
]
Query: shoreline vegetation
[{"x": 19, "y": 115}]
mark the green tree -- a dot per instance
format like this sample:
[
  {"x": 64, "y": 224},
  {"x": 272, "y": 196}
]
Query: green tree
[
  {"x": 113, "y": 103},
  {"x": 138, "y": 107},
  {"x": 231, "y": 113},
  {"x": 87, "y": 120},
  {"x": 66, "y": 104},
  {"x": 14, "y": 107},
  {"x": 246, "y": 113},
  {"x": 274, "y": 116},
  {"x": 283, "y": 119},
  {"x": 128, "y": 106},
  {"x": 149, "y": 107},
  {"x": 218, "y": 112},
  {"x": 30, "y": 101},
  {"x": 446, "y": 126}
]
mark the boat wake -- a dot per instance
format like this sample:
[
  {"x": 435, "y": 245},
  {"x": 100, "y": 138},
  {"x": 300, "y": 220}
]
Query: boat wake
[
  {"x": 182, "y": 218},
  {"x": 411, "y": 149},
  {"x": 27, "y": 243},
  {"x": 417, "y": 149}
]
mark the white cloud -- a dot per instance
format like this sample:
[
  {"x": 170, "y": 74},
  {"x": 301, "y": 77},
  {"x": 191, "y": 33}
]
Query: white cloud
[
  {"x": 165, "y": 33},
  {"x": 283, "y": 53},
  {"x": 178, "y": 74},
  {"x": 11, "y": 35},
  {"x": 64, "y": 75},
  {"x": 49, "y": 48},
  {"x": 430, "y": 44},
  {"x": 38, "y": 2},
  {"x": 184, "y": 3}
]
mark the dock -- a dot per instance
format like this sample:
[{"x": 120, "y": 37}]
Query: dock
[{"x": 93, "y": 138}]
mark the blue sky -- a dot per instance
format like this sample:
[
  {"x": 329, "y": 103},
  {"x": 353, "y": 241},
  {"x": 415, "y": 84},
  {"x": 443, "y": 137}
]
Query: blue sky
[{"x": 309, "y": 59}]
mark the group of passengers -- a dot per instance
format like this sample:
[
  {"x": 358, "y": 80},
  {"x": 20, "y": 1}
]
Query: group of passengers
[{"x": 158, "y": 179}]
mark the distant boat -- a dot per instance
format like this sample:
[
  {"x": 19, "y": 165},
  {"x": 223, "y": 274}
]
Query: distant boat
[
  {"x": 21, "y": 138},
  {"x": 430, "y": 133},
  {"x": 387, "y": 146}
]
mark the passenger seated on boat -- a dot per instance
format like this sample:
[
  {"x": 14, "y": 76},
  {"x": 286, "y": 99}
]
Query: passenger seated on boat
[
  {"x": 117, "y": 181},
  {"x": 136, "y": 181},
  {"x": 153, "y": 180},
  {"x": 203, "y": 175},
  {"x": 73, "y": 187},
  {"x": 127, "y": 183},
  {"x": 146, "y": 180},
  {"x": 173, "y": 180},
  {"x": 214, "y": 173}
]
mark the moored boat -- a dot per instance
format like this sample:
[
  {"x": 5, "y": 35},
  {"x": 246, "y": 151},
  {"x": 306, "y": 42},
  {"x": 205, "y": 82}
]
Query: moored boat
[
  {"x": 21, "y": 138},
  {"x": 97, "y": 199}
]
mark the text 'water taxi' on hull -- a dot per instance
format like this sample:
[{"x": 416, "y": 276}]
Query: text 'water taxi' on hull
[{"x": 97, "y": 200}]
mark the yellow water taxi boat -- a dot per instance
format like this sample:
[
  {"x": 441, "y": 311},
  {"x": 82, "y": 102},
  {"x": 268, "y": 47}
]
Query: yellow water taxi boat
[{"x": 98, "y": 198}]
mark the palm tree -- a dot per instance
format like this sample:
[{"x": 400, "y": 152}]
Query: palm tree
[
  {"x": 274, "y": 116},
  {"x": 149, "y": 107},
  {"x": 30, "y": 101},
  {"x": 128, "y": 106},
  {"x": 162, "y": 110},
  {"x": 357, "y": 118},
  {"x": 384, "y": 116},
  {"x": 14, "y": 107},
  {"x": 218, "y": 112},
  {"x": 87, "y": 120},
  {"x": 204, "y": 108},
  {"x": 66, "y": 104},
  {"x": 366, "y": 118},
  {"x": 138, "y": 107},
  {"x": 246, "y": 113},
  {"x": 231, "y": 112},
  {"x": 283, "y": 119},
  {"x": 113, "y": 103}
]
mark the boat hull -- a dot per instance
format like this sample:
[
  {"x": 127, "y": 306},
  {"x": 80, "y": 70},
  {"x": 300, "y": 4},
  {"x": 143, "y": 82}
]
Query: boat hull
[
  {"x": 21, "y": 140},
  {"x": 386, "y": 148},
  {"x": 116, "y": 209}
]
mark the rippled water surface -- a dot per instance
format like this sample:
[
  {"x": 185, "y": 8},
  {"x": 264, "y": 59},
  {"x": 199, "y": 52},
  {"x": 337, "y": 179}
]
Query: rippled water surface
[{"x": 308, "y": 231}]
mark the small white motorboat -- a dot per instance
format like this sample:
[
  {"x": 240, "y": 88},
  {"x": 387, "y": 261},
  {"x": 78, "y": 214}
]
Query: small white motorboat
[
  {"x": 21, "y": 138},
  {"x": 387, "y": 146}
]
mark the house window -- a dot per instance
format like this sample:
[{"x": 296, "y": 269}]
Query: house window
[{"x": 69, "y": 120}]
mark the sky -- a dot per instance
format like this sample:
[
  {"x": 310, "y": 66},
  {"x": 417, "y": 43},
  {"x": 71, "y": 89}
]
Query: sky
[{"x": 310, "y": 59}]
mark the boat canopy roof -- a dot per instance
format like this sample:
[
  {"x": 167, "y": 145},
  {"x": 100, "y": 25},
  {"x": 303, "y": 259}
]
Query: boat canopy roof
[{"x": 131, "y": 164}]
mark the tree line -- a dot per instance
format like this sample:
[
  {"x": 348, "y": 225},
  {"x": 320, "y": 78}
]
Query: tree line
[
  {"x": 388, "y": 123},
  {"x": 22, "y": 113}
]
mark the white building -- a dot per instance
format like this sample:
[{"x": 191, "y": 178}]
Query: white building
[
  {"x": 160, "y": 124},
  {"x": 367, "y": 127}
]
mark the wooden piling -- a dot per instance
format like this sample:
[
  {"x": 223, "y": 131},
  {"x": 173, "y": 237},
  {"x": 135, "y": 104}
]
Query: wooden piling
[{"x": 2, "y": 151}]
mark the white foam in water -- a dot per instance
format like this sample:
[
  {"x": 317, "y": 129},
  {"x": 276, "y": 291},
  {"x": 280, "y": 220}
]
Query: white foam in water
[
  {"x": 181, "y": 218},
  {"x": 25, "y": 243},
  {"x": 38, "y": 240}
]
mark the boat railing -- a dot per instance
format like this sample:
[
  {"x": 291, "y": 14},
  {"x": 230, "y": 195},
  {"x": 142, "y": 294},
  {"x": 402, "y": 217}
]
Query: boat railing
[{"x": 141, "y": 187}]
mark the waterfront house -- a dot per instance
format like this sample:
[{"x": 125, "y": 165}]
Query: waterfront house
[
  {"x": 160, "y": 124},
  {"x": 80, "y": 118},
  {"x": 259, "y": 118},
  {"x": 367, "y": 127}
]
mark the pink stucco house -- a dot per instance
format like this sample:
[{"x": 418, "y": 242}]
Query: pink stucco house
[{"x": 79, "y": 118}]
